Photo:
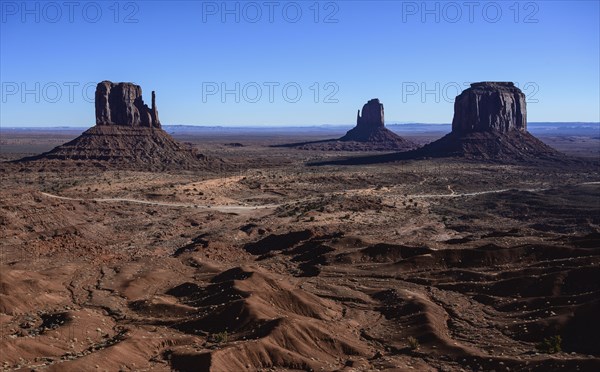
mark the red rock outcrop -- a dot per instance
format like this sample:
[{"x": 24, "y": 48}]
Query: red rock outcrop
[
  {"x": 490, "y": 106},
  {"x": 370, "y": 129},
  {"x": 127, "y": 134},
  {"x": 490, "y": 122},
  {"x": 122, "y": 104}
]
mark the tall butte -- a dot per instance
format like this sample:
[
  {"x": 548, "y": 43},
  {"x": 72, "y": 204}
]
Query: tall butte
[
  {"x": 490, "y": 122},
  {"x": 127, "y": 134},
  {"x": 122, "y": 104},
  {"x": 371, "y": 131}
]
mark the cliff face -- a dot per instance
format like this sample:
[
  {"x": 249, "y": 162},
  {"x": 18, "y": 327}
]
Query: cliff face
[
  {"x": 490, "y": 122},
  {"x": 122, "y": 104},
  {"x": 127, "y": 135},
  {"x": 490, "y": 107},
  {"x": 372, "y": 115},
  {"x": 370, "y": 132}
]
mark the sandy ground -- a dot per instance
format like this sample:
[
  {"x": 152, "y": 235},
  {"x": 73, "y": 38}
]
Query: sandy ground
[{"x": 417, "y": 265}]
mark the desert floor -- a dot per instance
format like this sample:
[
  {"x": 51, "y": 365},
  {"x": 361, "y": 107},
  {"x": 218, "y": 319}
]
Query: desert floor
[{"x": 435, "y": 264}]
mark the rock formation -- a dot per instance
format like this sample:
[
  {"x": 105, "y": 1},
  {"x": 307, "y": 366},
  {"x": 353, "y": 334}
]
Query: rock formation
[
  {"x": 370, "y": 129},
  {"x": 122, "y": 104},
  {"x": 372, "y": 115},
  {"x": 127, "y": 134},
  {"x": 490, "y": 106},
  {"x": 369, "y": 134},
  {"x": 490, "y": 122}
]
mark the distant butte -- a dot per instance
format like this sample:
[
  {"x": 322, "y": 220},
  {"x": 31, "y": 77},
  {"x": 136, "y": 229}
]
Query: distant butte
[
  {"x": 490, "y": 122},
  {"x": 127, "y": 134},
  {"x": 490, "y": 107},
  {"x": 370, "y": 122},
  {"x": 370, "y": 130},
  {"x": 369, "y": 134}
]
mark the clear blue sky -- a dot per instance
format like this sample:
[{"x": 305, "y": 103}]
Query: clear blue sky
[{"x": 187, "y": 52}]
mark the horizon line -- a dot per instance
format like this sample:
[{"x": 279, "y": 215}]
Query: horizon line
[{"x": 265, "y": 126}]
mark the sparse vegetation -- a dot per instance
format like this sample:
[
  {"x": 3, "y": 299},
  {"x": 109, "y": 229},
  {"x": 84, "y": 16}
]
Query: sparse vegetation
[
  {"x": 550, "y": 345},
  {"x": 218, "y": 338},
  {"x": 413, "y": 343}
]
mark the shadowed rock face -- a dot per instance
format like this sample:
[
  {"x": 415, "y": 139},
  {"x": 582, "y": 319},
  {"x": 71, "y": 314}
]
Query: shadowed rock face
[
  {"x": 372, "y": 115},
  {"x": 490, "y": 122},
  {"x": 127, "y": 135},
  {"x": 490, "y": 106},
  {"x": 122, "y": 104},
  {"x": 371, "y": 132}
]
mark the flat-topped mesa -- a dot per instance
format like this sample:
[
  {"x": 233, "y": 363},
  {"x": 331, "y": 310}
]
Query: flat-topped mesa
[
  {"x": 122, "y": 104},
  {"x": 372, "y": 115},
  {"x": 490, "y": 123},
  {"x": 490, "y": 106}
]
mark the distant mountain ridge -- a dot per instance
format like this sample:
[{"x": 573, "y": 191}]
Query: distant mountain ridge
[{"x": 394, "y": 125}]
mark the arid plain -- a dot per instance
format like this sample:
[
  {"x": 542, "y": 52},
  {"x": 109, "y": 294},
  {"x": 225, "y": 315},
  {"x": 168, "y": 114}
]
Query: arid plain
[{"x": 277, "y": 260}]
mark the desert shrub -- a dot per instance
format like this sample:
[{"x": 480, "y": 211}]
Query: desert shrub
[
  {"x": 550, "y": 345},
  {"x": 413, "y": 343},
  {"x": 218, "y": 338}
]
